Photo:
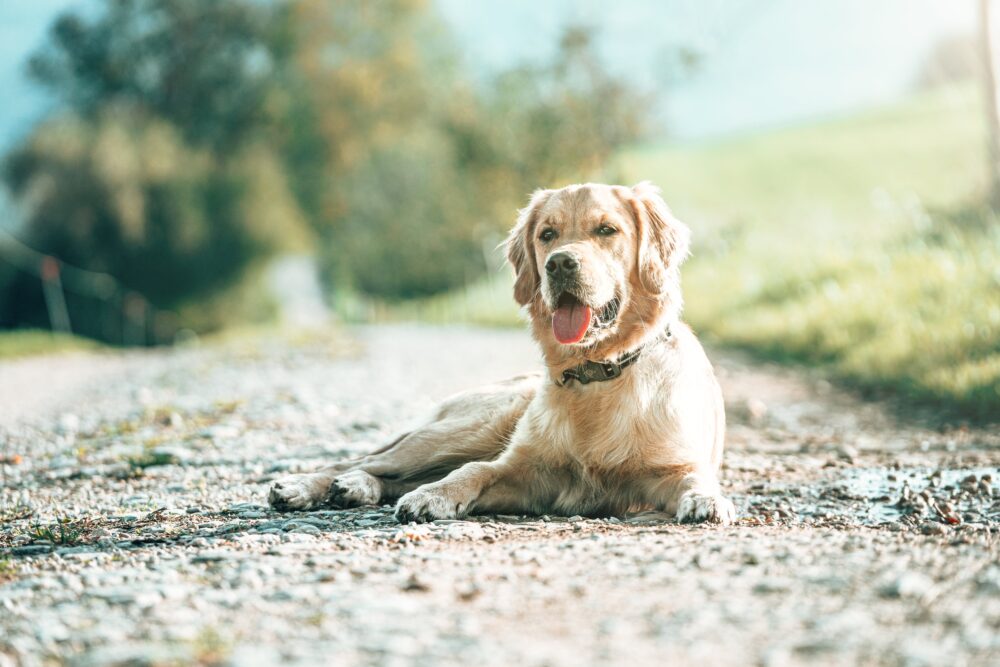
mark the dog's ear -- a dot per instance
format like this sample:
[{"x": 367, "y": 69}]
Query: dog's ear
[
  {"x": 664, "y": 241},
  {"x": 520, "y": 249}
]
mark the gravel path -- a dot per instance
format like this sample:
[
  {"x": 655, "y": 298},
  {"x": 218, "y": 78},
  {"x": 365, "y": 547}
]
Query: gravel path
[{"x": 134, "y": 528}]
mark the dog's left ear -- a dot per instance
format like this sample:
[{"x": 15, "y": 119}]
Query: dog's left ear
[
  {"x": 520, "y": 252},
  {"x": 664, "y": 241}
]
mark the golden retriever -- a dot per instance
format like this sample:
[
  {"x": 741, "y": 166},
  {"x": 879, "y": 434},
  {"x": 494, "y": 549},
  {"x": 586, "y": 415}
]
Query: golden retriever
[{"x": 627, "y": 414}]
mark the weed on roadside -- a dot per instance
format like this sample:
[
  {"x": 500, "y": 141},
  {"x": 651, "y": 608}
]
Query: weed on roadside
[{"x": 62, "y": 533}]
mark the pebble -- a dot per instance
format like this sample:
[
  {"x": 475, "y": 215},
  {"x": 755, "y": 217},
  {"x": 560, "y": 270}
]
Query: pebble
[
  {"x": 933, "y": 528},
  {"x": 908, "y": 585},
  {"x": 31, "y": 550}
]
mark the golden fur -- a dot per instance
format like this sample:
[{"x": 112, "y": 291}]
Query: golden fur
[{"x": 652, "y": 437}]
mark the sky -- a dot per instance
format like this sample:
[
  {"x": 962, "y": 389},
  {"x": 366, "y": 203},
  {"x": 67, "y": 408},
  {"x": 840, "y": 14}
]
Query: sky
[{"x": 763, "y": 62}]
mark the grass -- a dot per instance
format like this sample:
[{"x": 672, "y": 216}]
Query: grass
[
  {"x": 34, "y": 342},
  {"x": 850, "y": 245},
  {"x": 63, "y": 533},
  {"x": 855, "y": 245}
]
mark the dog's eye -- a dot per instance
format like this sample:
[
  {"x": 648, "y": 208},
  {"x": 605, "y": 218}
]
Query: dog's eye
[
  {"x": 606, "y": 230},
  {"x": 547, "y": 235}
]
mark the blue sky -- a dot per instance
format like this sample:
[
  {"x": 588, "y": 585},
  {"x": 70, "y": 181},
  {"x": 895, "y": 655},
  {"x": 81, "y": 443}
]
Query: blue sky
[{"x": 766, "y": 62}]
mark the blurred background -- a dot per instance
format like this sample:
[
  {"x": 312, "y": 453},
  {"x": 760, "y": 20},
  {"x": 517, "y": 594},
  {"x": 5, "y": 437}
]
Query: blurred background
[{"x": 174, "y": 168}]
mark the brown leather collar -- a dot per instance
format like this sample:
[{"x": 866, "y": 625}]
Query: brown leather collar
[{"x": 602, "y": 371}]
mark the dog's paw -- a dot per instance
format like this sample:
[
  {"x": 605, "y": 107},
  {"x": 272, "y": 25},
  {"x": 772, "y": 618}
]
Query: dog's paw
[
  {"x": 298, "y": 492},
  {"x": 425, "y": 505},
  {"x": 696, "y": 507},
  {"x": 353, "y": 489}
]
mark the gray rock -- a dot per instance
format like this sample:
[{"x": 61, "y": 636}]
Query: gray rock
[
  {"x": 31, "y": 550},
  {"x": 908, "y": 585}
]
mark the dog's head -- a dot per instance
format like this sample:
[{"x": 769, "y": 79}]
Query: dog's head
[{"x": 597, "y": 266}]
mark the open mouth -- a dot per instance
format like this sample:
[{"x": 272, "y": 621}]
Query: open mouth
[{"x": 572, "y": 319}]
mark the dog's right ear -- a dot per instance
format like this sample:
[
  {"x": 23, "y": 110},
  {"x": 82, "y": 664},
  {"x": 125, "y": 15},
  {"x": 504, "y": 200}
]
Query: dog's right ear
[{"x": 520, "y": 249}]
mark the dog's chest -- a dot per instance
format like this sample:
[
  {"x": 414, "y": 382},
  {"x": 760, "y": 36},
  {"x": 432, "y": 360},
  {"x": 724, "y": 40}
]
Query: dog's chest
[{"x": 617, "y": 428}]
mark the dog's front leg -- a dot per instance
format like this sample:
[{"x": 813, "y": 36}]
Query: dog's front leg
[
  {"x": 496, "y": 486},
  {"x": 694, "y": 496}
]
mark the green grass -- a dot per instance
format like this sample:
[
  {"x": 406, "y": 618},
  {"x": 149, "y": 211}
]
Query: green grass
[
  {"x": 855, "y": 245},
  {"x": 62, "y": 533},
  {"x": 850, "y": 245},
  {"x": 33, "y": 342}
]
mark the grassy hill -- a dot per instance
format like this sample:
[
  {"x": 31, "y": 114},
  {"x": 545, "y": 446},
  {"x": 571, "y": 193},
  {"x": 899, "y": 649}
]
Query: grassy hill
[{"x": 855, "y": 245}]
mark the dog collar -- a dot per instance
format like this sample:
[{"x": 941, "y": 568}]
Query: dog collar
[{"x": 602, "y": 371}]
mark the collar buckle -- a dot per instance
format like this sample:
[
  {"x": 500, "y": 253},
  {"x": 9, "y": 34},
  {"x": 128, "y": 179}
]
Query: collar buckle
[
  {"x": 601, "y": 372},
  {"x": 592, "y": 372}
]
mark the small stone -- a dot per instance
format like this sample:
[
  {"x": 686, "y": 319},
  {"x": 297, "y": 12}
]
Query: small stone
[
  {"x": 414, "y": 583},
  {"x": 932, "y": 528},
  {"x": 908, "y": 585},
  {"x": 756, "y": 410},
  {"x": 213, "y": 556},
  {"x": 772, "y": 585},
  {"x": 847, "y": 453},
  {"x": 467, "y": 591},
  {"x": 31, "y": 550},
  {"x": 69, "y": 423}
]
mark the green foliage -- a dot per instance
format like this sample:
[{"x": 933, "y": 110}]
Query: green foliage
[
  {"x": 62, "y": 533},
  {"x": 542, "y": 125},
  {"x": 123, "y": 194},
  {"x": 421, "y": 166},
  {"x": 407, "y": 233},
  {"x": 850, "y": 245},
  {"x": 197, "y": 139},
  {"x": 160, "y": 168},
  {"x": 205, "y": 68},
  {"x": 31, "y": 342}
]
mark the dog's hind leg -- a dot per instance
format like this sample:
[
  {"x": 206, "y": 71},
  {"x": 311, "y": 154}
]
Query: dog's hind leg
[{"x": 472, "y": 426}]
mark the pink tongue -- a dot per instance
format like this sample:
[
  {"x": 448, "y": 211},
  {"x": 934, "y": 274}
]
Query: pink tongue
[{"x": 570, "y": 322}]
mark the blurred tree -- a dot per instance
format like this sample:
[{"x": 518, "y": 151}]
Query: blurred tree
[
  {"x": 205, "y": 67},
  {"x": 447, "y": 164},
  {"x": 371, "y": 163},
  {"x": 953, "y": 58},
  {"x": 124, "y": 194},
  {"x": 160, "y": 168},
  {"x": 543, "y": 125},
  {"x": 197, "y": 138}
]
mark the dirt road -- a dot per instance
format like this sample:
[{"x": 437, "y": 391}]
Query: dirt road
[{"x": 135, "y": 528}]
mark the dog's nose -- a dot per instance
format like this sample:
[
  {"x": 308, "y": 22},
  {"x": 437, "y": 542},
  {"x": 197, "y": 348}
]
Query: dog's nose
[{"x": 561, "y": 265}]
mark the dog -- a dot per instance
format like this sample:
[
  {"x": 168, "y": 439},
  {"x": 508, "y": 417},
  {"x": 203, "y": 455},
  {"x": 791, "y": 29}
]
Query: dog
[{"x": 626, "y": 416}]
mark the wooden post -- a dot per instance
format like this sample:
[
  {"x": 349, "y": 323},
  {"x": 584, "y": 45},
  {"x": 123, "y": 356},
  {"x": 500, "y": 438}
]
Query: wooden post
[
  {"x": 55, "y": 298},
  {"x": 134, "y": 307},
  {"x": 990, "y": 93}
]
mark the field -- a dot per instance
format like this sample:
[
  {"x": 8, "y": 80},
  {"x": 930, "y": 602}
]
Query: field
[{"x": 856, "y": 245}]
